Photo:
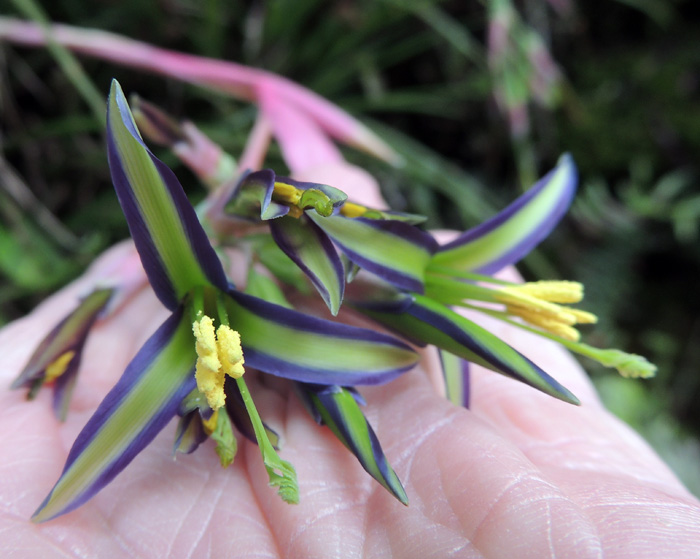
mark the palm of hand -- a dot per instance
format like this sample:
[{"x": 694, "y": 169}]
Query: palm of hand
[{"x": 519, "y": 475}]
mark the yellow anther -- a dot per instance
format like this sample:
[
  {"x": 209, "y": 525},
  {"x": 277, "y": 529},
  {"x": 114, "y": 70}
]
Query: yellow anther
[
  {"x": 513, "y": 296},
  {"x": 550, "y": 325},
  {"x": 295, "y": 211},
  {"x": 58, "y": 366},
  {"x": 228, "y": 343},
  {"x": 286, "y": 193},
  {"x": 553, "y": 291},
  {"x": 352, "y": 210},
  {"x": 210, "y": 424},
  {"x": 583, "y": 317},
  {"x": 216, "y": 357},
  {"x": 539, "y": 304}
]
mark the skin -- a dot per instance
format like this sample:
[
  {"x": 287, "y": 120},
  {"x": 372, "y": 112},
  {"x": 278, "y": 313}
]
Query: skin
[{"x": 518, "y": 475}]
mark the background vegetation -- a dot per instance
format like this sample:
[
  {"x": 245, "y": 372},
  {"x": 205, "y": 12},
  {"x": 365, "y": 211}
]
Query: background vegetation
[{"x": 476, "y": 122}]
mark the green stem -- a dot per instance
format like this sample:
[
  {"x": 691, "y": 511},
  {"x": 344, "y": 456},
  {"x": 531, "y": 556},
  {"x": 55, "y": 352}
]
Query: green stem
[{"x": 281, "y": 472}]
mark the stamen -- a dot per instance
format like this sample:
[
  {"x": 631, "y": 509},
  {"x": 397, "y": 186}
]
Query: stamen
[
  {"x": 550, "y": 325},
  {"x": 512, "y": 296},
  {"x": 216, "y": 358},
  {"x": 538, "y": 303},
  {"x": 286, "y": 194},
  {"x": 352, "y": 210},
  {"x": 228, "y": 343},
  {"x": 583, "y": 317},
  {"x": 553, "y": 291},
  {"x": 210, "y": 424},
  {"x": 298, "y": 200},
  {"x": 58, "y": 366}
]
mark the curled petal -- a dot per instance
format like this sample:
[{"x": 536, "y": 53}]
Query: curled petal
[
  {"x": 510, "y": 235},
  {"x": 173, "y": 247},
  {"x": 143, "y": 401}
]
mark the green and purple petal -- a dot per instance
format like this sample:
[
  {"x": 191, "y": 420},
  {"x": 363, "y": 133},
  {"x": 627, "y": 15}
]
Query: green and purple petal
[
  {"x": 252, "y": 198},
  {"x": 173, "y": 247},
  {"x": 297, "y": 346},
  {"x": 510, "y": 235},
  {"x": 144, "y": 400},
  {"x": 189, "y": 433},
  {"x": 427, "y": 322},
  {"x": 67, "y": 336},
  {"x": 310, "y": 249},
  {"x": 393, "y": 250},
  {"x": 339, "y": 410},
  {"x": 455, "y": 372}
]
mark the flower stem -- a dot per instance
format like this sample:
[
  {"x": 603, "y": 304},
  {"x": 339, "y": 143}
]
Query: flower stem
[{"x": 281, "y": 472}]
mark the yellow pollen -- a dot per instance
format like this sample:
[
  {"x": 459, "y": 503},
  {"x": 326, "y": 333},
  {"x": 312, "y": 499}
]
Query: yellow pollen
[
  {"x": 553, "y": 291},
  {"x": 540, "y": 304},
  {"x": 228, "y": 344},
  {"x": 583, "y": 317},
  {"x": 58, "y": 366},
  {"x": 210, "y": 424},
  {"x": 352, "y": 210},
  {"x": 218, "y": 355},
  {"x": 286, "y": 193},
  {"x": 295, "y": 211},
  {"x": 511, "y": 296},
  {"x": 550, "y": 325}
]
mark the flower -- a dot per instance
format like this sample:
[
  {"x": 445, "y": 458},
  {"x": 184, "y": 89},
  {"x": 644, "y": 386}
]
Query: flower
[
  {"x": 417, "y": 280},
  {"x": 402, "y": 277},
  {"x": 160, "y": 382},
  {"x": 308, "y": 220},
  {"x": 57, "y": 357}
]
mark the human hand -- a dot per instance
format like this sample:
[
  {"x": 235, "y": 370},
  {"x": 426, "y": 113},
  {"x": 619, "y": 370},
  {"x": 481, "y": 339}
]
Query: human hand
[{"x": 518, "y": 475}]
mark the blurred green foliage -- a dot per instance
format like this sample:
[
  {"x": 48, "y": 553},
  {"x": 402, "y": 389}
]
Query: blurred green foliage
[{"x": 626, "y": 104}]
